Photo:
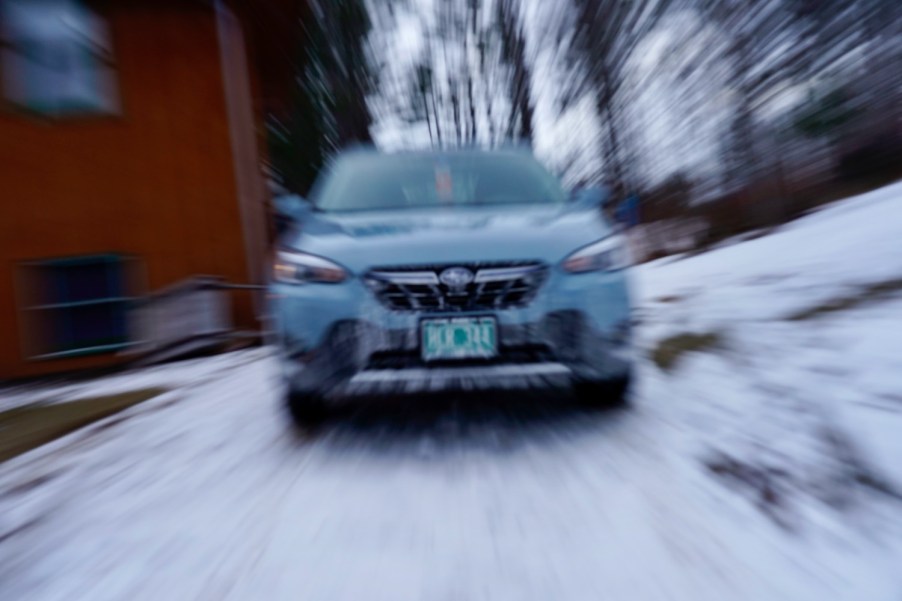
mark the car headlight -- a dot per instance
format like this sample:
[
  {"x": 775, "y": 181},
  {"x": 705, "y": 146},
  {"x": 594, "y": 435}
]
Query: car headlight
[
  {"x": 608, "y": 254},
  {"x": 300, "y": 268}
]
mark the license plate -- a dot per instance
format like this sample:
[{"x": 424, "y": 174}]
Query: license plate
[{"x": 458, "y": 338}]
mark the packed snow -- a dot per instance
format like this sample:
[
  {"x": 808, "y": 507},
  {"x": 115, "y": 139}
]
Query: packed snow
[{"x": 764, "y": 467}]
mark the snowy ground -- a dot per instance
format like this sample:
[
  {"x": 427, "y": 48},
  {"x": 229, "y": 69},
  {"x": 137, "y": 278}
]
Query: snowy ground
[{"x": 765, "y": 468}]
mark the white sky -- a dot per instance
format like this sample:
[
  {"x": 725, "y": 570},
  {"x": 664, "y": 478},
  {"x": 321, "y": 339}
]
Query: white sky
[{"x": 671, "y": 129}]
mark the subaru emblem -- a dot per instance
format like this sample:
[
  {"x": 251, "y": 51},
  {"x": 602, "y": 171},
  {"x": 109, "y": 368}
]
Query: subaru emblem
[{"x": 456, "y": 278}]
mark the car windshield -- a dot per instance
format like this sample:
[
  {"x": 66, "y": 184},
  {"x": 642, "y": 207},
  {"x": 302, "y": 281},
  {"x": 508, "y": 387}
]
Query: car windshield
[{"x": 365, "y": 182}]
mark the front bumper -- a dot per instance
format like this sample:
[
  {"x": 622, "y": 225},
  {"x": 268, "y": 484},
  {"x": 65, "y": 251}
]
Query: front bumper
[
  {"x": 419, "y": 380},
  {"x": 339, "y": 341}
]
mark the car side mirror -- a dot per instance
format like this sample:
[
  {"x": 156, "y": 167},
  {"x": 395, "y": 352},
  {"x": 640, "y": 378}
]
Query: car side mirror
[
  {"x": 590, "y": 197},
  {"x": 290, "y": 209}
]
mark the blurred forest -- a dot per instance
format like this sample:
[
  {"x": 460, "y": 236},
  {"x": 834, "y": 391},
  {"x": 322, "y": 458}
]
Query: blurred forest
[{"x": 736, "y": 114}]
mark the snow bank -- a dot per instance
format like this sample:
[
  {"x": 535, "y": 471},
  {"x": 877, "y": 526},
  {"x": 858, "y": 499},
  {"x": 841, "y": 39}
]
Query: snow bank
[{"x": 818, "y": 400}]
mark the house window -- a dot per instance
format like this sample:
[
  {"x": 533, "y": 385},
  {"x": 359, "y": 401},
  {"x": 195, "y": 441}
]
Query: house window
[
  {"x": 76, "y": 306},
  {"x": 56, "y": 58}
]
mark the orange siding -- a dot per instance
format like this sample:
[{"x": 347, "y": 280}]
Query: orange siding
[
  {"x": 156, "y": 181},
  {"x": 239, "y": 86}
]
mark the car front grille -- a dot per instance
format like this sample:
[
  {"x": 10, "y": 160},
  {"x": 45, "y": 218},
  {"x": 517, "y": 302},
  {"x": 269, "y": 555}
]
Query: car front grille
[{"x": 493, "y": 286}]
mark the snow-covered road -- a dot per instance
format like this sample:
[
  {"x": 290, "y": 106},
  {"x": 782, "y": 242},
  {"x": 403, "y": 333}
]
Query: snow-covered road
[{"x": 766, "y": 467}]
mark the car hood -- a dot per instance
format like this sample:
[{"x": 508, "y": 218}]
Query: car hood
[{"x": 362, "y": 240}]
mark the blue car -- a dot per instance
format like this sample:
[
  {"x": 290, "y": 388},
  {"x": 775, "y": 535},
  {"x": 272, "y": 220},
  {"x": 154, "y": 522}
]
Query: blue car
[{"x": 419, "y": 273}]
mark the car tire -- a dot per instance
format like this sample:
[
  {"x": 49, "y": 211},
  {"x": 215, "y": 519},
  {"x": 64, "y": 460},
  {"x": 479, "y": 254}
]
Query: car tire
[
  {"x": 603, "y": 394},
  {"x": 307, "y": 410}
]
